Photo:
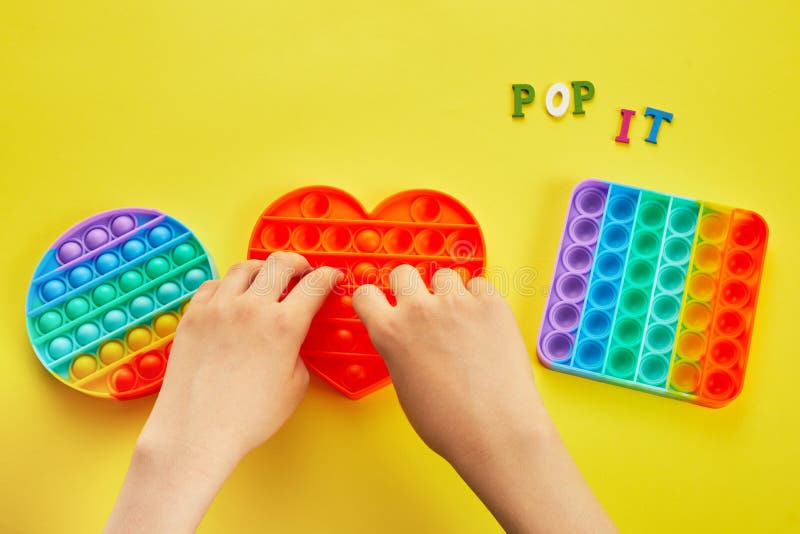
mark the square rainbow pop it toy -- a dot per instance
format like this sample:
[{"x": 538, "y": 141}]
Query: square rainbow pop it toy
[
  {"x": 329, "y": 227},
  {"x": 106, "y": 299},
  {"x": 655, "y": 292}
]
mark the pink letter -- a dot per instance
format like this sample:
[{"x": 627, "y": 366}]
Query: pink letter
[{"x": 627, "y": 115}]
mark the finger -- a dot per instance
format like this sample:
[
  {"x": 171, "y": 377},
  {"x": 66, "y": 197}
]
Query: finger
[
  {"x": 238, "y": 279},
  {"x": 312, "y": 290},
  {"x": 276, "y": 273},
  {"x": 370, "y": 304},
  {"x": 480, "y": 286},
  {"x": 406, "y": 283},
  {"x": 447, "y": 282},
  {"x": 204, "y": 293}
]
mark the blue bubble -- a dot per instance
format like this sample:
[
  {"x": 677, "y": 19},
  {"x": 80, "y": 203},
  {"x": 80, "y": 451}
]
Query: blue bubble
[
  {"x": 141, "y": 306},
  {"x": 194, "y": 278},
  {"x": 159, "y": 235},
  {"x": 59, "y": 347},
  {"x": 87, "y": 333},
  {"x": 168, "y": 292},
  {"x": 106, "y": 262},
  {"x": 80, "y": 275},
  {"x": 114, "y": 319},
  {"x": 53, "y": 289},
  {"x": 133, "y": 249}
]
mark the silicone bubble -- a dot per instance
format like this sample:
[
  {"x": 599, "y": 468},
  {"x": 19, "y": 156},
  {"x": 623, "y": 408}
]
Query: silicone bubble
[
  {"x": 701, "y": 287},
  {"x": 589, "y": 355},
  {"x": 685, "y": 377},
  {"x": 627, "y": 331},
  {"x": 80, "y": 275},
  {"x": 106, "y": 262},
  {"x": 557, "y": 346},
  {"x": 426, "y": 209},
  {"x": 150, "y": 366},
  {"x": 156, "y": 267},
  {"x": 426, "y": 229},
  {"x": 682, "y": 221},
  {"x": 659, "y": 338},
  {"x": 276, "y": 236},
  {"x": 666, "y": 308},
  {"x": 577, "y": 258},
  {"x": 597, "y": 324},
  {"x": 602, "y": 295},
  {"x": 735, "y": 293},
  {"x": 429, "y": 243},
  {"x": 336, "y": 239},
  {"x": 652, "y": 215},
  {"x": 584, "y": 230},
  {"x": 640, "y": 272},
  {"x": 159, "y": 235},
  {"x": 122, "y": 225},
  {"x": 76, "y": 307},
  {"x": 646, "y": 244},
  {"x": 53, "y": 289},
  {"x": 730, "y": 322},
  {"x": 127, "y": 269},
  {"x": 609, "y": 265},
  {"x": 748, "y": 233},
  {"x": 571, "y": 287},
  {"x": 133, "y": 249},
  {"x": 719, "y": 384},
  {"x": 707, "y": 257},
  {"x": 564, "y": 316},
  {"x": 615, "y": 237},
  {"x": 621, "y": 363},
  {"x": 653, "y": 369},
  {"x": 671, "y": 279},
  {"x": 691, "y": 345},
  {"x": 725, "y": 352},
  {"x": 621, "y": 208},
  {"x": 315, "y": 205},
  {"x": 368, "y": 240},
  {"x": 69, "y": 251},
  {"x": 590, "y": 202},
  {"x": 697, "y": 315},
  {"x": 398, "y": 241},
  {"x": 634, "y": 301},
  {"x": 83, "y": 366},
  {"x": 713, "y": 227},
  {"x": 677, "y": 250},
  {"x": 740, "y": 263},
  {"x": 95, "y": 238}
]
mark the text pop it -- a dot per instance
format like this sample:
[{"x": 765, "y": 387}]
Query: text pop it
[
  {"x": 106, "y": 299},
  {"x": 654, "y": 292},
  {"x": 329, "y": 227}
]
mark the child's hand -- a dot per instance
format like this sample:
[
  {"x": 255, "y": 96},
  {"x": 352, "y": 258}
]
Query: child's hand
[
  {"x": 234, "y": 377},
  {"x": 463, "y": 376}
]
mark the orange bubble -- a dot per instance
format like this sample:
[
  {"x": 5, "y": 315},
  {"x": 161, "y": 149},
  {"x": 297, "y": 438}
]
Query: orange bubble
[
  {"x": 315, "y": 205},
  {"x": 697, "y": 315},
  {"x": 275, "y": 236},
  {"x": 701, "y": 287},
  {"x": 123, "y": 379},
  {"x": 685, "y": 377},
  {"x": 368, "y": 240},
  {"x": 691, "y": 345},
  {"x": 707, "y": 257},
  {"x": 713, "y": 227},
  {"x": 341, "y": 340},
  {"x": 306, "y": 237},
  {"x": 365, "y": 273},
  {"x": 336, "y": 239},
  {"x": 735, "y": 293}
]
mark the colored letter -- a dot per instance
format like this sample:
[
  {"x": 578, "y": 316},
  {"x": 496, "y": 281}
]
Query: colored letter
[
  {"x": 658, "y": 116},
  {"x": 561, "y": 89},
  {"x": 581, "y": 97},
  {"x": 519, "y": 100},
  {"x": 624, "y": 126}
]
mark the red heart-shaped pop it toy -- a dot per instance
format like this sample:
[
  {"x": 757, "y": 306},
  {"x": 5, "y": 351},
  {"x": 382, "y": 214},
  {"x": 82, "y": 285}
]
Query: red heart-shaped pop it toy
[{"x": 427, "y": 229}]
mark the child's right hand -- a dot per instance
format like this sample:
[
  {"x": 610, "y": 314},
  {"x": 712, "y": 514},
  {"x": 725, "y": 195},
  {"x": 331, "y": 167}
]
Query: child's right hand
[{"x": 463, "y": 377}]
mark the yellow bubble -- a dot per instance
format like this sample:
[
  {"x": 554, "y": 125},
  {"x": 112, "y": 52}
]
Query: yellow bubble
[
  {"x": 691, "y": 346},
  {"x": 111, "y": 352},
  {"x": 83, "y": 366},
  {"x": 707, "y": 257},
  {"x": 701, "y": 287},
  {"x": 184, "y": 306},
  {"x": 166, "y": 324},
  {"x": 139, "y": 338},
  {"x": 697, "y": 316}
]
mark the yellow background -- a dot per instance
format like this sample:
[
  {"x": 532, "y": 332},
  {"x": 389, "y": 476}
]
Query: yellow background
[{"x": 210, "y": 110}]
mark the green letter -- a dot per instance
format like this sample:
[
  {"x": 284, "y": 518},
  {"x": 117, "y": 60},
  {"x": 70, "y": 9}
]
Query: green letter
[
  {"x": 581, "y": 97},
  {"x": 519, "y": 100}
]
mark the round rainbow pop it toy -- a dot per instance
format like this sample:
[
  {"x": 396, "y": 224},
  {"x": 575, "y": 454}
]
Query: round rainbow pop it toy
[
  {"x": 424, "y": 228},
  {"x": 106, "y": 299}
]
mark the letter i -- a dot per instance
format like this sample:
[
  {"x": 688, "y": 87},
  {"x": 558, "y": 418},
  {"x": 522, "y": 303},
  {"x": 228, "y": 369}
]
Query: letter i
[{"x": 625, "y": 125}]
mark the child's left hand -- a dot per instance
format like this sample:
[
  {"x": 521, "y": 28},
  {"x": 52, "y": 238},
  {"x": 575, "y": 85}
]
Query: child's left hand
[{"x": 233, "y": 378}]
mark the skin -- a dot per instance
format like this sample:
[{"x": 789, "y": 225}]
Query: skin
[{"x": 457, "y": 360}]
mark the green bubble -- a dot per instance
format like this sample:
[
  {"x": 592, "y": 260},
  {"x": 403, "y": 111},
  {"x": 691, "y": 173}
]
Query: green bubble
[
  {"x": 103, "y": 294},
  {"x": 76, "y": 307},
  {"x": 49, "y": 321}
]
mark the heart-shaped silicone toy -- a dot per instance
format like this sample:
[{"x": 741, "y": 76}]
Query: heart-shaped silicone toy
[{"x": 424, "y": 228}]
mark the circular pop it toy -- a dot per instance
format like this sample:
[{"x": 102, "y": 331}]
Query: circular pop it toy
[{"x": 106, "y": 299}]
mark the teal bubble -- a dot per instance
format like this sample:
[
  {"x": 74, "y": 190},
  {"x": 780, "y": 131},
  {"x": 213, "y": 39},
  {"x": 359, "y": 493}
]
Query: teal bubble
[
  {"x": 168, "y": 292},
  {"x": 141, "y": 306},
  {"x": 640, "y": 272},
  {"x": 80, "y": 275},
  {"x": 53, "y": 289},
  {"x": 666, "y": 308},
  {"x": 194, "y": 278},
  {"x": 49, "y": 321},
  {"x": 645, "y": 244},
  {"x": 59, "y": 347},
  {"x": 621, "y": 363},
  {"x": 653, "y": 369},
  {"x": 114, "y": 320},
  {"x": 652, "y": 214},
  {"x": 159, "y": 235},
  {"x": 628, "y": 331},
  {"x": 133, "y": 249},
  {"x": 130, "y": 281},
  {"x": 76, "y": 307},
  {"x": 106, "y": 262},
  {"x": 87, "y": 333},
  {"x": 156, "y": 267},
  {"x": 103, "y": 294},
  {"x": 659, "y": 338},
  {"x": 183, "y": 253}
]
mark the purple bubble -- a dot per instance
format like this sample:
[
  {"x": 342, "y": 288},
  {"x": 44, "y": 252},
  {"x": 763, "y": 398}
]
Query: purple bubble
[
  {"x": 577, "y": 258},
  {"x": 590, "y": 202},
  {"x": 95, "y": 237},
  {"x": 69, "y": 251},
  {"x": 122, "y": 225},
  {"x": 557, "y": 346},
  {"x": 584, "y": 230},
  {"x": 571, "y": 287},
  {"x": 564, "y": 316}
]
